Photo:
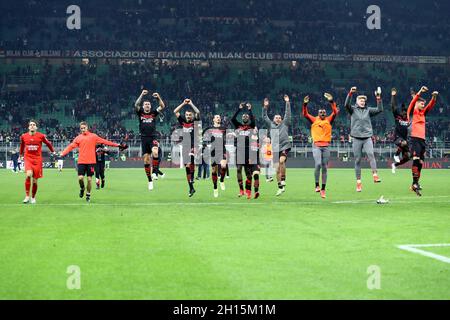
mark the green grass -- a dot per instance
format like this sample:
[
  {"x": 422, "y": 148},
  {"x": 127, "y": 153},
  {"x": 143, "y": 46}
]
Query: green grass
[{"x": 134, "y": 244}]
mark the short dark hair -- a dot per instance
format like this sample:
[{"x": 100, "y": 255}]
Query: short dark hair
[{"x": 34, "y": 121}]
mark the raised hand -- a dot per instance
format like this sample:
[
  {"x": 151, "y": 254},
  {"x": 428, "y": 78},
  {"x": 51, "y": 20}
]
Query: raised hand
[
  {"x": 266, "y": 103},
  {"x": 241, "y": 105},
  {"x": 249, "y": 106},
  {"x": 306, "y": 99},
  {"x": 328, "y": 96},
  {"x": 393, "y": 92},
  {"x": 286, "y": 98},
  {"x": 423, "y": 89},
  {"x": 144, "y": 92},
  {"x": 353, "y": 89},
  {"x": 187, "y": 101},
  {"x": 156, "y": 95},
  {"x": 378, "y": 92},
  {"x": 435, "y": 94}
]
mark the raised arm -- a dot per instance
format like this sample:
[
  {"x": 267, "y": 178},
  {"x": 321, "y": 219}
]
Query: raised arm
[
  {"x": 251, "y": 115},
  {"x": 379, "y": 109},
  {"x": 234, "y": 119},
  {"x": 348, "y": 100},
  {"x": 394, "y": 102},
  {"x": 287, "y": 112},
  {"x": 196, "y": 111},
  {"x": 305, "y": 112},
  {"x": 137, "y": 104},
  {"x": 432, "y": 102},
  {"x": 414, "y": 100},
  {"x": 177, "y": 109},
  {"x": 334, "y": 109},
  {"x": 264, "y": 113},
  {"x": 160, "y": 101}
]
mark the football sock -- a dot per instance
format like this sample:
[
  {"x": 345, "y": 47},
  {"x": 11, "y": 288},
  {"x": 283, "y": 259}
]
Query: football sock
[
  {"x": 248, "y": 184},
  {"x": 148, "y": 171},
  {"x": 222, "y": 173},
  {"x": 214, "y": 179},
  {"x": 34, "y": 191},
  {"x": 415, "y": 170},
  {"x": 256, "y": 182},
  {"x": 27, "y": 186}
]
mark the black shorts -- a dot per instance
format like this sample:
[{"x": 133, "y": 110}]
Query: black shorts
[
  {"x": 148, "y": 143},
  {"x": 398, "y": 142},
  {"x": 418, "y": 147},
  {"x": 99, "y": 166},
  {"x": 189, "y": 155},
  {"x": 284, "y": 153},
  {"x": 215, "y": 161},
  {"x": 86, "y": 169},
  {"x": 250, "y": 168}
]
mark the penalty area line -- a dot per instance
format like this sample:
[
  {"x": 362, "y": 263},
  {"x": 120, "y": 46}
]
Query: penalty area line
[{"x": 414, "y": 249}]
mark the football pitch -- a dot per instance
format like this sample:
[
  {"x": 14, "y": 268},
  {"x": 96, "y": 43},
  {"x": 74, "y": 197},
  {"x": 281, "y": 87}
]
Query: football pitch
[{"x": 130, "y": 243}]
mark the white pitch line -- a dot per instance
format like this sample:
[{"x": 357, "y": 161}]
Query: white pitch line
[
  {"x": 413, "y": 248},
  {"x": 244, "y": 203}
]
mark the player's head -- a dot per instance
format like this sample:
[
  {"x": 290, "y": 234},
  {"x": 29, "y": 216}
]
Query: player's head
[
  {"x": 84, "y": 127},
  {"x": 245, "y": 117},
  {"x": 189, "y": 115},
  {"x": 420, "y": 103},
  {"x": 217, "y": 119},
  {"x": 361, "y": 101},
  {"x": 32, "y": 126},
  {"x": 322, "y": 113},
  {"x": 277, "y": 119},
  {"x": 147, "y": 106}
]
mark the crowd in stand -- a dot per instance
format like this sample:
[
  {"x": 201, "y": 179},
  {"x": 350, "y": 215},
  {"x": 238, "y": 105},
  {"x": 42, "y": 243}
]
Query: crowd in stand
[
  {"x": 108, "y": 97},
  {"x": 272, "y": 26}
]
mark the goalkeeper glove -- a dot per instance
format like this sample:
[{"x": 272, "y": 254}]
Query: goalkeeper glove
[{"x": 122, "y": 147}]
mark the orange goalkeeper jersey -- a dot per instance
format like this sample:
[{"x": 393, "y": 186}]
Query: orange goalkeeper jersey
[
  {"x": 321, "y": 129},
  {"x": 419, "y": 121},
  {"x": 87, "y": 142}
]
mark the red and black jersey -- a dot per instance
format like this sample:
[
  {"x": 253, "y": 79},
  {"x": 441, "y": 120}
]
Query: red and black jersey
[
  {"x": 147, "y": 122},
  {"x": 246, "y": 143},
  {"x": 401, "y": 126},
  {"x": 188, "y": 128},
  {"x": 100, "y": 153},
  {"x": 401, "y": 122},
  {"x": 213, "y": 134}
]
